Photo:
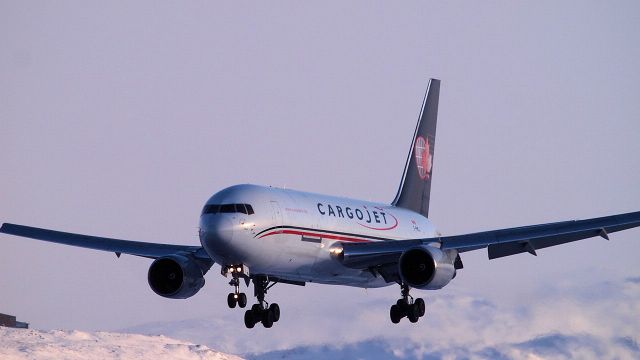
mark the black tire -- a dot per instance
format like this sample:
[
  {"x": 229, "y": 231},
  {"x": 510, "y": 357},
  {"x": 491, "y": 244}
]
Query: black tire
[
  {"x": 275, "y": 310},
  {"x": 242, "y": 300},
  {"x": 419, "y": 303},
  {"x": 403, "y": 308},
  {"x": 249, "y": 320},
  {"x": 267, "y": 319},
  {"x": 231, "y": 300},
  {"x": 395, "y": 314},
  {"x": 256, "y": 308},
  {"x": 413, "y": 313}
]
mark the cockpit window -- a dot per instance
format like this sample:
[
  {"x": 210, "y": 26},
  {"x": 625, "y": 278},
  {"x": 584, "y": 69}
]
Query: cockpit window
[
  {"x": 228, "y": 209},
  {"x": 211, "y": 209}
]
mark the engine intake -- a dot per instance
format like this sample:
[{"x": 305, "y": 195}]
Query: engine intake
[
  {"x": 426, "y": 267},
  {"x": 175, "y": 277}
]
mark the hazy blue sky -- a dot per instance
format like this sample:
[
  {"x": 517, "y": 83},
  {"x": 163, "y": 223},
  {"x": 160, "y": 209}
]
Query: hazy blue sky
[{"x": 121, "y": 119}]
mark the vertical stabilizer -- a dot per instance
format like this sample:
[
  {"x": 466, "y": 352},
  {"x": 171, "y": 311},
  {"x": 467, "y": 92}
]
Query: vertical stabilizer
[{"x": 415, "y": 189}]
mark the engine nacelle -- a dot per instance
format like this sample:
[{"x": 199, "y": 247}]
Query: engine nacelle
[
  {"x": 175, "y": 277},
  {"x": 426, "y": 267}
]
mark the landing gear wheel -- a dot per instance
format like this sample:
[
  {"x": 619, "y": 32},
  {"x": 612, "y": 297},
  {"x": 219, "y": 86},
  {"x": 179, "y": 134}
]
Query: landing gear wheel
[
  {"x": 275, "y": 310},
  {"x": 231, "y": 300},
  {"x": 249, "y": 319},
  {"x": 242, "y": 300},
  {"x": 395, "y": 314},
  {"x": 267, "y": 318},
  {"x": 261, "y": 312},
  {"x": 419, "y": 303},
  {"x": 412, "y": 313},
  {"x": 407, "y": 306}
]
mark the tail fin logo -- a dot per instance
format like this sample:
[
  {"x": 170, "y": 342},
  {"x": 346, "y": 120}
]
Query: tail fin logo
[{"x": 424, "y": 157}]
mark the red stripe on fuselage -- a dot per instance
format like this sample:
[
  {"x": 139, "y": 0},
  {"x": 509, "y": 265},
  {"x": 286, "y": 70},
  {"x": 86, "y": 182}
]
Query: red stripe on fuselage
[{"x": 306, "y": 233}]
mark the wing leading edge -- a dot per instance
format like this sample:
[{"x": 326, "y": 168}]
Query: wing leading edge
[
  {"x": 137, "y": 248},
  {"x": 500, "y": 243}
]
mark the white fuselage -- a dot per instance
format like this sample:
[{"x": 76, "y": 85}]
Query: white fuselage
[{"x": 288, "y": 233}]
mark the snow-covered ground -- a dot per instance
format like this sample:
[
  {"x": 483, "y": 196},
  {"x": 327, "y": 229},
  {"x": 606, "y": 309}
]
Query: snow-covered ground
[{"x": 71, "y": 345}]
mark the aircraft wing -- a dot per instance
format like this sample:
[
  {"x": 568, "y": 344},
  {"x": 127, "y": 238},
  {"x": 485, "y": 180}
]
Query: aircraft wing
[
  {"x": 512, "y": 241},
  {"x": 503, "y": 242},
  {"x": 137, "y": 248}
]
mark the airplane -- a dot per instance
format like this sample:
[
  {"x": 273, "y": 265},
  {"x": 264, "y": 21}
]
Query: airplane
[{"x": 266, "y": 235}]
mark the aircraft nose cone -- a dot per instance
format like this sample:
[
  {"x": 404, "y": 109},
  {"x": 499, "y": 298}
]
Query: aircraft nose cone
[{"x": 216, "y": 235}]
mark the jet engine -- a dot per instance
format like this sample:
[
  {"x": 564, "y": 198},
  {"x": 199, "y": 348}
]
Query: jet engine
[
  {"x": 426, "y": 267},
  {"x": 175, "y": 277}
]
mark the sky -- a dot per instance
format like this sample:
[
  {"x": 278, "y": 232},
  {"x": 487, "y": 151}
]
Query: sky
[{"x": 120, "y": 120}]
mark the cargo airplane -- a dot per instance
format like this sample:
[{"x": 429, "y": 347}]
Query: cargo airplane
[{"x": 265, "y": 235}]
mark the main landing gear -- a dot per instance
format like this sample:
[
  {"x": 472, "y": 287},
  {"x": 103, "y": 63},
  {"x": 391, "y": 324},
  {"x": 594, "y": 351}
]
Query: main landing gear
[
  {"x": 262, "y": 311},
  {"x": 407, "y": 306}
]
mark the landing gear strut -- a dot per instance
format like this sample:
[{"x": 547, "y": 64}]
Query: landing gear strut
[
  {"x": 406, "y": 306},
  {"x": 262, "y": 311}
]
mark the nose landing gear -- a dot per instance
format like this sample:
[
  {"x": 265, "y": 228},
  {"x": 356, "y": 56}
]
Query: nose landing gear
[
  {"x": 236, "y": 297},
  {"x": 407, "y": 306}
]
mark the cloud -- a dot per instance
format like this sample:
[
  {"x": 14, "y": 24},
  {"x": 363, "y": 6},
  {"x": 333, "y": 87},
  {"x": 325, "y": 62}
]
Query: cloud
[
  {"x": 633, "y": 280},
  {"x": 551, "y": 346}
]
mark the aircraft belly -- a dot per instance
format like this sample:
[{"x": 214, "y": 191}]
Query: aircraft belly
[
  {"x": 299, "y": 260},
  {"x": 349, "y": 277}
]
